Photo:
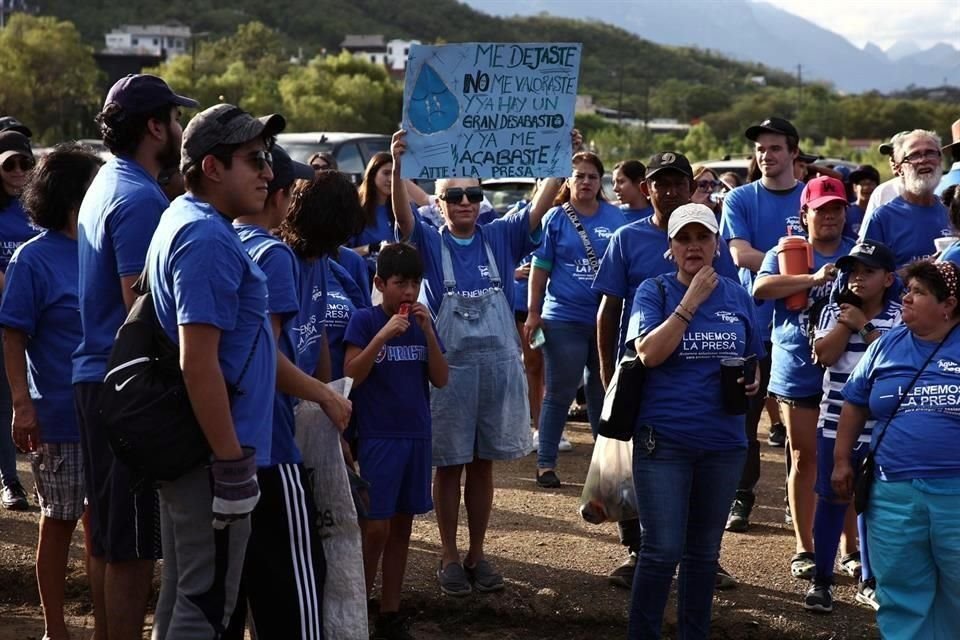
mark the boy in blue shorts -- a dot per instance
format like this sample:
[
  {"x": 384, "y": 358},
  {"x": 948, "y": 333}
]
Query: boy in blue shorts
[{"x": 393, "y": 355}]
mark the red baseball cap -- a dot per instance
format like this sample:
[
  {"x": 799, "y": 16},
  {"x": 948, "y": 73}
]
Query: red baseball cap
[{"x": 821, "y": 191}]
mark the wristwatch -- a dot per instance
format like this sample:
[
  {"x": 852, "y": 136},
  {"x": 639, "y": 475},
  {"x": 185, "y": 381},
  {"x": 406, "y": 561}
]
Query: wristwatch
[{"x": 867, "y": 330}]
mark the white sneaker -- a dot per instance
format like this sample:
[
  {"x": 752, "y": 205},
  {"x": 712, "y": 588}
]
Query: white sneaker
[
  {"x": 565, "y": 444},
  {"x": 535, "y": 442}
]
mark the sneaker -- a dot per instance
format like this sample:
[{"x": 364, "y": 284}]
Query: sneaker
[
  {"x": 622, "y": 576},
  {"x": 391, "y": 626},
  {"x": 453, "y": 580},
  {"x": 803, "y": 565},
  {"x": 777, "y": 436},
  {"x": 724, "y": 580},
  {"x": 577, "y": 413},
  {"x": 484, "y": 577},
  {"x": 739, "y": 519},
  {"x": 548, "y": 479},
  {"x": 819, "y": 598},
  {"x": 564, "y": 445},
  {"x": 867, "y": 594},
  {"x": 14, "y": 498},
  {"x": 535, "y": 441}
]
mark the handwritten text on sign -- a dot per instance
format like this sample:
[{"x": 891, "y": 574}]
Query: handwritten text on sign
[{"x": 490, "y": 110}]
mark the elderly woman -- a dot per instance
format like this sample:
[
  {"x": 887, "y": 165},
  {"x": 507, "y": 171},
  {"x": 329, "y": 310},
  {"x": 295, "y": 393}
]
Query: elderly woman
[
  {"x": 907, "y": 381},
  {"x": 688, "y": 450},
  {"x": 575, "y": 236},
  {"x": 482, "y": 414}
]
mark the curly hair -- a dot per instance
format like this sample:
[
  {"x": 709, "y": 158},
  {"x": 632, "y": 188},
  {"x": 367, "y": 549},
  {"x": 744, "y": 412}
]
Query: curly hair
[
  {"x": 58, "y": 183},
  {"x": 932, "y": 275},
  {"x": 122, "y": 130},
  {"x": 323, "y": 214}
]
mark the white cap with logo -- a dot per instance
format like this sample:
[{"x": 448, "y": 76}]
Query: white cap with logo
[{"x": 689, "y": 214}]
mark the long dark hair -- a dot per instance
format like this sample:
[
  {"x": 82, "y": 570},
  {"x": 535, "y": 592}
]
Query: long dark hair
[
  {"x": 323, "y": 213},
  {"x": 57, "y": 185},
  {"x": 581, "y": 156},
  {"x": 368, "y": 189}
]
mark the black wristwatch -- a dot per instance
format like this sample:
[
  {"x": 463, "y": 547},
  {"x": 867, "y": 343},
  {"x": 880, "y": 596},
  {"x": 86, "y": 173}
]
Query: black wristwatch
[{"x": 867, "y": 330}]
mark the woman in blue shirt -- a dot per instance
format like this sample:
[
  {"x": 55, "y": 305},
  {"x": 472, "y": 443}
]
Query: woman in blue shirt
[
  {"x": 688, "y": 451},
  {"x": 627, "y": 178},
  {"x": 575, "y": 235},
  {"x": 909, "y": 382},
  {"x": 40, "y": 316}
]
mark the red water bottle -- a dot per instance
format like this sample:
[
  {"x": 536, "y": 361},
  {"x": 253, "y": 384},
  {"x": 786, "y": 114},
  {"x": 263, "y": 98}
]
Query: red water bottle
[{"x": 795, "y": 257}]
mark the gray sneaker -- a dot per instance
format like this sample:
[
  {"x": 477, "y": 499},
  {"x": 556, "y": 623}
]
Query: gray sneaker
[
  {"x": 453, "y": 580},
  {"x": 484, "y": 577}
]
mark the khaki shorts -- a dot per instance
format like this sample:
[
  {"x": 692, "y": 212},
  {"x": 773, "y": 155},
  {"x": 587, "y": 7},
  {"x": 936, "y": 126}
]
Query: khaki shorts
[{"x": 58, "y": 473}]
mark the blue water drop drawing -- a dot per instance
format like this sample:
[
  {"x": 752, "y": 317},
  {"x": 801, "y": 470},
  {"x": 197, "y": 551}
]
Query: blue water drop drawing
[{"x": 433, "y": 107}]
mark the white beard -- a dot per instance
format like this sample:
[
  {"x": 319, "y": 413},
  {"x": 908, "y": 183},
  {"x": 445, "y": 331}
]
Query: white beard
[{"x": 920, "y": 184}]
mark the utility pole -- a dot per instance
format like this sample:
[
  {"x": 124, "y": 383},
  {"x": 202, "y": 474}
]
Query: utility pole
[{"x": 799, "y": 89}]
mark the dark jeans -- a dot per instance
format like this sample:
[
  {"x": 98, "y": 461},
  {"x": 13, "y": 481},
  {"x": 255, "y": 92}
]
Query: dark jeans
[
  {"x": 682, "y": 498},
  {"x": 8, "y": 452},
  {"x": 751, "y": 466}
]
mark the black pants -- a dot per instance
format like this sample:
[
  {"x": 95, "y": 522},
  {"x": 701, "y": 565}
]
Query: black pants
[{"x": 751, "y": 468}]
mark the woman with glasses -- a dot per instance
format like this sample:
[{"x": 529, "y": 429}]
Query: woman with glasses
[
  {"x": 908, "y": 383},
  {"x": 323, "y": 161},
  {"x": 16, "y": 162},
  {"x": 708, "y": 190},
  {"x": 563, "y": 305}
]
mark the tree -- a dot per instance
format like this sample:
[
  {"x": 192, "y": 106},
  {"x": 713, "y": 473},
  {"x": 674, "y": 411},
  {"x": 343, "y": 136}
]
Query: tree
[{"x": 47, "y": 76}]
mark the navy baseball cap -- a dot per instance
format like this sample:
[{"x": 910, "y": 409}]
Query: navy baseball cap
[
  {"x": 873, "y": 254},
  {"x": 224, "y": 124},
  {"x": 864, "y": 171},
  {"x": 668, "y": 160},
  {"x": 14, "y": 143},
  {"x": 140, "y": 93},
  {"x": 9, "y": 123},
  {"x": 772, "y": 125},
  {"x": 286, "y": 170}
]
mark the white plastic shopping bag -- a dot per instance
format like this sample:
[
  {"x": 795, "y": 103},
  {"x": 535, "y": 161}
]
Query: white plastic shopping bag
[{"x": 608, "y": 492}]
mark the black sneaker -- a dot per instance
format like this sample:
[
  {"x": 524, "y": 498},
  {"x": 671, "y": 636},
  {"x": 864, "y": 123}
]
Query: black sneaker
[
  {"x": 548, "y": 479},
  {"x": 622, "y": 576},
  {"x": 392, "y": 626},
  {"x": 14, "y": 498},
  {"x": 777, "y": 436},
  {"x": 739, "y": 519},
  {"x": 819, "y": 598},
  {"x": 724, "y": 580}
]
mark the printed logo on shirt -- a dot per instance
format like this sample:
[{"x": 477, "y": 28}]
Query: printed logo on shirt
[
  {"x": 307, "y": 334},
  {"x": 949, "y": 366},
  {"x": 727, "y": 316},
  {"x": 602, "y": 233},
  {"x": 402, "y": 353},
  {"x": 709, "y": 344},
  {"x": 581, "y": 269},
  {"x": 938, "y": 398},
  {"x": 317, "y": 293},
  {"x": 381, "y": 355},
  {"x": 338, "y": 308},
  {"x": 793, "y": 222},
  {"x": 484, "y": 271}
]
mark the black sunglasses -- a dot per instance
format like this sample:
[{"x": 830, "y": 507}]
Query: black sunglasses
[
  {"x": 708, "y": 184},
  {"x": 26, "y": 164},
  {"x": 261, "y": 159},
  {"x": 474, "y": 194}
]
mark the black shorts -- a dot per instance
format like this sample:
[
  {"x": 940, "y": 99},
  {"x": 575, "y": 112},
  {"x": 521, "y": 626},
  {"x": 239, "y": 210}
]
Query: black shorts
[
  {"x": 124, "y": 525},
  {"x": 803, "y": 402}
]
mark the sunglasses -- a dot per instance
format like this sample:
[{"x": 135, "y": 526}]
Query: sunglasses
[
  {"x": 25, "y": 164},
  {"x": 455, "y": 195},
  {"x": 708, "y": 185},
  {"x": 320, "y": 167},
  {"x": 260, "y": 159}
]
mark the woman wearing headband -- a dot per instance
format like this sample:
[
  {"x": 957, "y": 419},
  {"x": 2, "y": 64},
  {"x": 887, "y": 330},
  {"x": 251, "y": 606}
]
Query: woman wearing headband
[{"x": 909, "y": 382}]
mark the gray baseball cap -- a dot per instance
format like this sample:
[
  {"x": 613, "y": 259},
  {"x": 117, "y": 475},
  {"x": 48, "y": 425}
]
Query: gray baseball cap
[{"x": 224, "y": 124}]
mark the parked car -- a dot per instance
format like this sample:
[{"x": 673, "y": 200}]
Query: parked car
[
  {"x": 352, "y": 150},
  {"x": 741, "y": 165},
  {"x": 503, "y": 193}
]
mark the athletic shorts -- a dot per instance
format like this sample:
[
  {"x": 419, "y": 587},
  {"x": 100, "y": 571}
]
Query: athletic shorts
[
  {"x": 825, "y": 448},
  {"x": 124, "y": 525},
  {"x": 398, "y": 470},
  {"x": 802, "y": 402},
  {"x": 58, "y": 473}
]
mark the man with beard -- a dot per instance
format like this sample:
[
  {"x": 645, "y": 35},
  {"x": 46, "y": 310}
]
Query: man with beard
[
  {"x": 140, "y": 125},
  {"x": 637, "y": 252},
  {"x": 909, "y": 223}
]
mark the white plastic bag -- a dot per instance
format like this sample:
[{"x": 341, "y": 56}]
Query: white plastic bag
[
  {"x": 608, "y": 492},
  {"x": 344, "y": 591}
]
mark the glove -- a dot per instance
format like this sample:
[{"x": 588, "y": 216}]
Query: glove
[{"x": 235, "y": 488}]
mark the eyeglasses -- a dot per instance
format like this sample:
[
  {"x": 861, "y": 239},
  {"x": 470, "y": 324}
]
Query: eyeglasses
[
  {"x": 25, "y": 164},
  {"x": 455, "y": 195},
  {"x": 708, "y": 185},
  {"x": 920, "y": 156},
  {"x": 259, "y": 160}
]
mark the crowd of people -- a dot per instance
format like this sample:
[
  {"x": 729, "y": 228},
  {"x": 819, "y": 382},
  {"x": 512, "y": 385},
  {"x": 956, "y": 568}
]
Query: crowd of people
[{"x": 466, "y": 336}]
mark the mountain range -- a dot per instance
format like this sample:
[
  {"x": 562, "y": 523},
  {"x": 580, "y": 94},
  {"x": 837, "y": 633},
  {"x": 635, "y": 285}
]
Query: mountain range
[{"x": 760, "y": 32}]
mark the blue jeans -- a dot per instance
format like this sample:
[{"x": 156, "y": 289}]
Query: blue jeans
[
  {"x": 683, "y": 496},
  {"x": 8, "y": 453},
  {"x": 570, "y": 347}
]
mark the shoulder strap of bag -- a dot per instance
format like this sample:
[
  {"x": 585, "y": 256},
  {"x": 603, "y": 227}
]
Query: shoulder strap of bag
[
  {"x": 908, "y": 389},
  {"x": 587, "y": 245}
]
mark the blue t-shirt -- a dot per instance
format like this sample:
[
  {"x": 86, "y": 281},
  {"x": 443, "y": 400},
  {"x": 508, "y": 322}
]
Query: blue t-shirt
[
  {"x": 570, "y": 296},
  {"x": 951, "y": 253},
  {"x": 118, "y": 216},
  {"x": 682, "y": 396},
  {"x": 356, "y": 266},
  {"x": 521, "y": 287},
  {"x": 380, "y": 230},
  {"x": 908, "y": 229},
  {"x": 279, "y": 264},
  {"x": 761, "y": 217},
  {"x": 344, "y": 297},
  {"x": 636, "y": 252},
  {"x": 41, "y": 301},
  {"x": 635, "y": 215},
  {"x": 510, "y": 240},
  {"x": 792, "y": 371},
  {"x": 852, "y": 221},
  {"x": 309, "y": 323},
  {"x": 16, "y": 227},
  {"x": 394, "y": 400},
  {"x": 924, "y": 436},
  {"x": 949, "y": 179},
  {"x": 200, "y": 273}
]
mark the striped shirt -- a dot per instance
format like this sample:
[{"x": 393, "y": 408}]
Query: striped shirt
[{"x": 836, "y": 375}]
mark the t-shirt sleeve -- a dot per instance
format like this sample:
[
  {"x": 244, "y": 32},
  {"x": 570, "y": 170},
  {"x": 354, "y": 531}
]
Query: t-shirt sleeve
[
  {"x": 770, "y": 266},
  {"x": 543, "y": 257},
  {"x": 724, "y": 263},
  {"x": 828, "y": 320},
  {"x": 857, "y": 389},
  {"x": 131, "y": 226},
  {"x": 872, "y": 227},
  {"x": 611, "y": 277},
  {"x": 425, "y": 238},
  {"x": 734, "y": 223},
  {"x": 648, "y": 311},
  {"x": 280, "y": 265},
  {"x": 358, "y": 330},
  {"x": 22, "y": 297},
  {"x": 755, "y": 344},
  {"x": 520, "y": 239},
  {"x": 207, "y": 273}
]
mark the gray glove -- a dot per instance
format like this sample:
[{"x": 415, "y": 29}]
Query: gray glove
[{"x": 235, "y": 488}]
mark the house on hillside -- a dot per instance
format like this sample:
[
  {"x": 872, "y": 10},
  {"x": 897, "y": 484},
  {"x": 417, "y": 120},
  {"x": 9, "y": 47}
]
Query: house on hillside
[
  {"x": 164, "y": 40},
  {"x": 392, "y": 54}
]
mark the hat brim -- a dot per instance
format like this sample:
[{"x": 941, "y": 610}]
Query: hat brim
[
  {"x": 14, "y": 152},
  {"x": 712, "y": 227},
  {"x": 885, "y": 149},
  {"x": 754, "y": 132},
  {"x": 823, "y": 200},
  {"x": 846, "y": 263},
  {"x": 652, "y": 172},
  {"x": 184, "y": 101},
  {"x": 302, "y": 171},
  {"x": 857, "y": 176},
  {"x": 947, "y": 147},
  {"x": 20, "y": 128},
  {"x": 808, "y": 158},
  {"x": 264, "y": 127}
]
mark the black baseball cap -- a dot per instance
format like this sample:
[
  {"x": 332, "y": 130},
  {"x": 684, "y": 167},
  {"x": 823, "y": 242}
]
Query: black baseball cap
[
  {"x": 862, "y": 172},
  {"x": 14, "y": 143},
  {"x": 873, "y": 254},
  {"x": 9, "y": 123},
  {"x": 886, "y": 148},
  {"x": 668, "y": 160},
  {"x": 140, "y": 93},
  {"x": 772, "y": 125},
  {"x": 286, "y": 170},
  {"x": 224, "y": 124},
  {"x": 809, "y": 158}
]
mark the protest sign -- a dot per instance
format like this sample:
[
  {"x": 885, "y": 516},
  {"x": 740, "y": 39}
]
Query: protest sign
[{"x": 490, "y": 110}]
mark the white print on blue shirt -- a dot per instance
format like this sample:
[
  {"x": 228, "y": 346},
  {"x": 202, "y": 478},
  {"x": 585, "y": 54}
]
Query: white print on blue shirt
[
  {"x": 402, "y": 353},
  {"x": 308, "y": 333},
  {"x": 696, "y": 345}
]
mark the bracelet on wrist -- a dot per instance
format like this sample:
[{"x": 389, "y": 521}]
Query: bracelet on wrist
[
  {"x": 685, "y": 321},
  {"x": 684, "y": 307}
]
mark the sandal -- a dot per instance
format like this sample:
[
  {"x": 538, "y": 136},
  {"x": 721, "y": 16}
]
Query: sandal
[
  {"x": 803, "y": 565},
  {"x": 850, "y": 565}
]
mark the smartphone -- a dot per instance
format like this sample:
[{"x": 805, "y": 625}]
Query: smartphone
[
  {"x": 538, "y": 339},
  {"x": 749, "y": 369}
]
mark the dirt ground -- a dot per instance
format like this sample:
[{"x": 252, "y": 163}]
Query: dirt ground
[{"x": 554, "y": 564}]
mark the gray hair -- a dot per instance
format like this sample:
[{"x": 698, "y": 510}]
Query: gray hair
[{"x": 899, "y": 141}]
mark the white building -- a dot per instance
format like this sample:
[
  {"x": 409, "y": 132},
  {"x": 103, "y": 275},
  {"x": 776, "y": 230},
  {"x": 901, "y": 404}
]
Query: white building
[
  {"x": 154, "y": 39},
  {"x": 392, "y": 54}
]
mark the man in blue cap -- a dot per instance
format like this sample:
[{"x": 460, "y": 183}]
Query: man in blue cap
[{"x": 140, "y": 125}]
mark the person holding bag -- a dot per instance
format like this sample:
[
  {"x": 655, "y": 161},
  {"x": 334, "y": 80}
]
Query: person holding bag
[
  {"x": 689, "y": 448},
  {"x": 909, "y": 382}
]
